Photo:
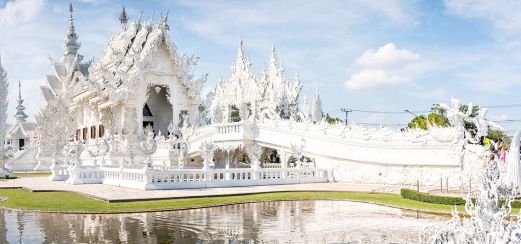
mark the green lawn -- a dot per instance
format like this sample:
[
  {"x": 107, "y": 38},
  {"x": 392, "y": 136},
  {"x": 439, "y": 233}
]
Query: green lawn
[{"x": 72, "y": 202}]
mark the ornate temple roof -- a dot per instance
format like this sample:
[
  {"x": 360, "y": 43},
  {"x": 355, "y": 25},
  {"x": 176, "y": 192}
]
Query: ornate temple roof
[{"x": 129, "y": 52}]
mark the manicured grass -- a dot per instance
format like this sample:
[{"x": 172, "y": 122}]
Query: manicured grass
[
  {"x": 72, "y": 202},
  {"x": 33, "y": 174}
]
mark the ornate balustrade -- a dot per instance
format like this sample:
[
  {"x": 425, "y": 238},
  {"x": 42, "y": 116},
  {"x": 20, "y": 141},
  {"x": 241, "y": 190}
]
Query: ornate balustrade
[
  {"x": 230, "y": 128},
  {"x": 150, "y": 179},
  {"x": 271, "y": 165},
  {"x": 59, "y": 172},
  {"x": 84, "y": 175}
]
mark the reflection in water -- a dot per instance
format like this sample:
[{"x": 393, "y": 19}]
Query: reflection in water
[{"x": 266, "y": 222}]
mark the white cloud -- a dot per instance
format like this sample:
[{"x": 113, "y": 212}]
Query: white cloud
[
  {"x": 18, "y": 11},
  {"x": 386, "y": 67},
  {"x": 387, "y": 56},
  {"x": 502, "y": 14},
  {"x": 370, "y": 79}
]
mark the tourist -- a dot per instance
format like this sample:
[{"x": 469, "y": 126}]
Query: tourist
[
  {"x": 496, "y": 146},
  {"x": 502, "y": 151}
]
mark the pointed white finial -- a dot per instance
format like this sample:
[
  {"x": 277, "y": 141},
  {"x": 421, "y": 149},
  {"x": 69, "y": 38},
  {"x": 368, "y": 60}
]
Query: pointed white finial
[
  {"x": 123, "y": 18},
  {"x": 71, "y": 40},
  {"x": 20, "y": 115}
]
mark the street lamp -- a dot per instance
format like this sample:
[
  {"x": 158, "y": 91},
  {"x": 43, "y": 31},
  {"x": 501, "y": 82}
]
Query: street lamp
[{"x": 408, "y": 111}]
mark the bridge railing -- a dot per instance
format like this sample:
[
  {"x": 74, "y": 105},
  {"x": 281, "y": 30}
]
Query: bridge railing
[
  {"x": 150, "y": 179},
  {"x": 59, "y": 172}
]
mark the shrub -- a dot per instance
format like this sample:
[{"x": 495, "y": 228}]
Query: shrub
[{"x": 428, "y": 198}]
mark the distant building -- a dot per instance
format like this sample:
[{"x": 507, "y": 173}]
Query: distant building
[{"x": 22, "y": 132}]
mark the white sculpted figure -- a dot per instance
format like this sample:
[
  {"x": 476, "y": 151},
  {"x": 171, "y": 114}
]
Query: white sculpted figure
[
  {"x": 207, "y": 151},
  {"x": 483, "y": 124},
  {"x": 254, "y": 152},
  {"x": 148, "y": 146},
  {"x": 455, "y": 116}
]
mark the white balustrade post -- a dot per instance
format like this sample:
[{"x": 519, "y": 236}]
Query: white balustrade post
[
  {"x": 147, "y": 177},
  {"x": 283, "y": 162},
  {"x": 227, "y": 166}
]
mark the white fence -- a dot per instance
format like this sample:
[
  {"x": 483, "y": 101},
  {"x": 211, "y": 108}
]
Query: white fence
[{"x": 150, "y": 179}]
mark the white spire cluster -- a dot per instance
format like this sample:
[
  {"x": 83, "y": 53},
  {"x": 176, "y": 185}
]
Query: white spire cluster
[{"x": 270, "y": 95}]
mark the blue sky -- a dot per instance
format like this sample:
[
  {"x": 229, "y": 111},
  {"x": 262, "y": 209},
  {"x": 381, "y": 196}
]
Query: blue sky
[{"x": 369, "y": 55}]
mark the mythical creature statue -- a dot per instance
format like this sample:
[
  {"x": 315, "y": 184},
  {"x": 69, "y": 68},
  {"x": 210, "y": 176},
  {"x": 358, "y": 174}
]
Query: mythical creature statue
[
  {"x": 456, "y": 117},
  {"x": 482, "y": 124},
  {"x": 148, "y": 146}
]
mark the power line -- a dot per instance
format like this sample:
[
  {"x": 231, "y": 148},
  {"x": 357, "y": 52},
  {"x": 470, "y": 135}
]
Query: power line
[
  {"x": 378, "y": 124},
  {"x": 388, "y": 112},
  {"x": 426, "y": 111},
  {"x": 504, "y": 106},
  {"x": 507, "y": 121}
]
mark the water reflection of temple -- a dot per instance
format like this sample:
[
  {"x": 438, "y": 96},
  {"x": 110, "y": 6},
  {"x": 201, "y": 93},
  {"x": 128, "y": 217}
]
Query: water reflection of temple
[{"x": 270, "y": 222}]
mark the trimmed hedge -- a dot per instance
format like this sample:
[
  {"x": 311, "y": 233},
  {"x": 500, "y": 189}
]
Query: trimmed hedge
[{"x": 428, "y": 198}]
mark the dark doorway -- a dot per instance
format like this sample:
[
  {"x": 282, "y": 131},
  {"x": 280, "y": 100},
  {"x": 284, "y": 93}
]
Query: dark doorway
[{"x": 21, "y": 144}]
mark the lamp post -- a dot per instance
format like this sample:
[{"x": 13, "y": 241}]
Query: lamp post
[
  {"x": 408, "y": 111},
  {"x": 347, "y": 111}
]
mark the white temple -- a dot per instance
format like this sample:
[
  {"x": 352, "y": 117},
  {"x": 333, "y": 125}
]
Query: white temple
[{"x": 136, "y": 117}]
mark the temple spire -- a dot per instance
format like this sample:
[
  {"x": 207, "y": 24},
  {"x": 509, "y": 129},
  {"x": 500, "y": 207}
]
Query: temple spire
[
  {"x": 123, "y": 18},
  {"x": 20, "y": 115},
  {"x": 71, "y": 40},
  {"x": 317, "y": 108}
]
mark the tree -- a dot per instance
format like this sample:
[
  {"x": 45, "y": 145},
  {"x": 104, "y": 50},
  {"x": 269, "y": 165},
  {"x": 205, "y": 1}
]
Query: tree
[
  {"x": 55, "y": 125},
  {"x": 423, "y": 122},
  {"x": 4, "y": 88},
  {"x": 499, "y": 134},
  {"x": 332, "y": 120}
]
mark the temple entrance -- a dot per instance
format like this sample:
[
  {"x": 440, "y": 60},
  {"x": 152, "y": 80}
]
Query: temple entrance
[
  {"x": 21, "y": 144},
  {"x": 157, "y": 111}
]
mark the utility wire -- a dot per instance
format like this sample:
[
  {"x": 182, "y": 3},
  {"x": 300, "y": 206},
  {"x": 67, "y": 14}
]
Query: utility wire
[{"x": 425, "y": 111}]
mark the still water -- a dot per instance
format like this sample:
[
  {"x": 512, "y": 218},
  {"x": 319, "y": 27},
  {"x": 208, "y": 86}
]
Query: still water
[{"x": 266, "y": 222}]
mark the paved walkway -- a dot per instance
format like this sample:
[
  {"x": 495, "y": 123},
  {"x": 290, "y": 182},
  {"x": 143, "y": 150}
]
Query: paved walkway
[{"x": 114, "y": 194}]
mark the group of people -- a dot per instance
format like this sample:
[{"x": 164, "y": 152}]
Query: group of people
[{"x": 499, "y": 147}]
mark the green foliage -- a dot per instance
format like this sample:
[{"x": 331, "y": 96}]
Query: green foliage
[
  {"x": 437, "y": 109},
  {"x": 428, "y": 198},
  {"x": 446, "y": 200},
  {"x": 332, "y": 120},
  {"x": 433, "y": 118},
  {"x": 498, "y": 134},
  {"x": 465, "y": 108}
]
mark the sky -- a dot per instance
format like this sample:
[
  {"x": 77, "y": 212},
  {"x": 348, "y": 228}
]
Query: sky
[{"x": 384, "y": 56}]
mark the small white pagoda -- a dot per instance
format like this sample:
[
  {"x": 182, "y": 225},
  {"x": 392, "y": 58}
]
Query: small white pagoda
[{"x": 23, "y": 132}]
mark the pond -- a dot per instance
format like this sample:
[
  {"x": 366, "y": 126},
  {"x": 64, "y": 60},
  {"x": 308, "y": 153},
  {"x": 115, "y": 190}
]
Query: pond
[{"x": 313, "y": 221}]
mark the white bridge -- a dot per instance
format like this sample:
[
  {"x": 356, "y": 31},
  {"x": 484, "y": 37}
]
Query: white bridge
[{"x": 306, "y": 153}]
